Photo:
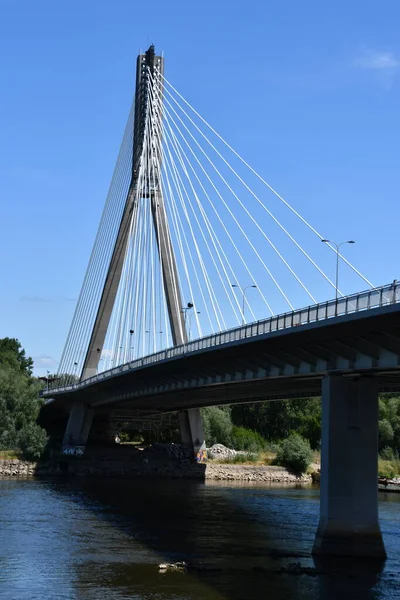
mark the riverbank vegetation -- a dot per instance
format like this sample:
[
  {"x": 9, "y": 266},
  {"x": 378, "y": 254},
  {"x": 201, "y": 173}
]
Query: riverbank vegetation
[
  {"x": 20, "y": 435},
  {"x": 290, "y": 432},
  {"x": 284, "y": 432}
]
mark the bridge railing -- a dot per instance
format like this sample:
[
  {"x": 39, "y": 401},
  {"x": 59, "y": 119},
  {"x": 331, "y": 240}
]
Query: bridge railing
[{"x": 374, "y": 298}]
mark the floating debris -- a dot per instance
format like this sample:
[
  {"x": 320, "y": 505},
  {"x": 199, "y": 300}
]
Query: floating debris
[{"x": 178, "y": 566}]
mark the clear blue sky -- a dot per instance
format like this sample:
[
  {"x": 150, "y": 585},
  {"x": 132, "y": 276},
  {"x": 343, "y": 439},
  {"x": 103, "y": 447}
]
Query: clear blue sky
[{"x": 309, "y": 92}]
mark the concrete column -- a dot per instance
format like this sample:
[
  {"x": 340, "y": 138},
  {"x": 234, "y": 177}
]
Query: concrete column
[
  {"x": 192, "y": 433},
  {"x": 86, "y": 426},
  {"x": 349, "y": 523},
  {"x": 78, "y": 426}
]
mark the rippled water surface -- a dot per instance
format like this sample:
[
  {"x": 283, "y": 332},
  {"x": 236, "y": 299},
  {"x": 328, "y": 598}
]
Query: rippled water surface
[{"x": 90, "y": 539}]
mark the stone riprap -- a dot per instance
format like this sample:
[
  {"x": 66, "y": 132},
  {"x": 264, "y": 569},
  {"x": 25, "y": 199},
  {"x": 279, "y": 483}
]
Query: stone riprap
[
  {"x": 16, "y": 468},
  {"x": 254, "y": 474}
]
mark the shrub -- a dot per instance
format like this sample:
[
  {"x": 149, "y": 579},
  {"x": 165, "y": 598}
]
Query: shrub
[
  {"x": 295, "y": 454},
  {"x": 32, "y": 441},
  {"x": 247, "y": 439},
  {"x": 388, "y": 468},
  {"x": 217, "y": 426}
]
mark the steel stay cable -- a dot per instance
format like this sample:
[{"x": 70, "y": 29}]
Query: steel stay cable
[
  {"x": 236, "y": 222},
  {"x": 205, "y": 275},
  {"x": 98, "y": 240},
  {"x": 174, "y": 207},
  {"x": 249, "y": 215},
  {"x": 115, "y": 346},
  {"x": 77, "y": 319},
  {"x": 168, "y": 161},
  {"x": 293, "y": 210},
  {"x": 261, "y": 204},
  {"x": 217, "y": 214},
  {"x": 166, "y": 235},
  {"x": 226, "y": 289}
]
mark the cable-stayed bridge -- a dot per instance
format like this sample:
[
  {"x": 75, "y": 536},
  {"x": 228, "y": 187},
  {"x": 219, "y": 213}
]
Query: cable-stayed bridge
[{"x": 191, "y": 298}]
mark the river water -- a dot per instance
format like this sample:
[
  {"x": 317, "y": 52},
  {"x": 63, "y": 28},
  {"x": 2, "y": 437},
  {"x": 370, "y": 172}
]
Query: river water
[{"x": 78, "y": 538}]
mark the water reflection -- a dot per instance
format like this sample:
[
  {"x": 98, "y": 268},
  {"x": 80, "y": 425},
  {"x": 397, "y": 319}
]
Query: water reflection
[
  {"x": 87, "y": 538},
  {"x": 348, "y": 579}
]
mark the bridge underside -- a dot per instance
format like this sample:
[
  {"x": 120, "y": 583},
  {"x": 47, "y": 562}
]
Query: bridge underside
[{"x": 347, "y": 360}]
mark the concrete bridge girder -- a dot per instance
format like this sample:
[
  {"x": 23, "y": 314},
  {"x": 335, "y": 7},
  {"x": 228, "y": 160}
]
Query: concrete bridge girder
[{"x": 386, "y": 341}]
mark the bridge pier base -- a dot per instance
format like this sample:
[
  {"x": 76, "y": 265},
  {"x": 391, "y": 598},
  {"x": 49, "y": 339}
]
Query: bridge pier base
[
  {"x": 192, "y": 433},
  {"x": 78, "y": 426},
  {"x": 349, "y": 524}
]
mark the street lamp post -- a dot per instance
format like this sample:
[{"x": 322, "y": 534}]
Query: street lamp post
[
  {"x": 98, "y": 364},
  {"x": 337, "y": 246},
  {"x": 148, "y": 342},
  {"x": 190, "y": 323},
  {"x": 184, "y": 310},
  {"x": 243, "y": 290},
  {"x": 75, "y": 368},
  {"x": 131, "y": 332}
]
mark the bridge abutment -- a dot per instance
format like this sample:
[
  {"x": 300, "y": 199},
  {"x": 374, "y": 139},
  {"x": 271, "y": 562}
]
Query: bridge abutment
[
  {"x": 78, "y": 426},
  {"x": 192, "y": 433},
  {"x": 349, "y": 524}
]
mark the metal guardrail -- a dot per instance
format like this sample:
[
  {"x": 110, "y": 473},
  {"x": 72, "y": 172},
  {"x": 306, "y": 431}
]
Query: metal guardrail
[{"x": 374, "y": 298}]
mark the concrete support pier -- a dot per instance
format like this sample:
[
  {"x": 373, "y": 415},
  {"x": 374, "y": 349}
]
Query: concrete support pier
[
  {"x": 78, "y": 426},
  {"x": 349, "y": 524},
  {"x": 192, "y": 433}
]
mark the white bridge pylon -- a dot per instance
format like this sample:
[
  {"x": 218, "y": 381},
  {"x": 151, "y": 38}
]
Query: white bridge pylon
[{"x": 192, "y": 240}]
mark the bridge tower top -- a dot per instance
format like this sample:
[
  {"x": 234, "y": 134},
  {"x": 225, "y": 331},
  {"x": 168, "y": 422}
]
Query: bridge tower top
[{"x": 147, "y": 65}]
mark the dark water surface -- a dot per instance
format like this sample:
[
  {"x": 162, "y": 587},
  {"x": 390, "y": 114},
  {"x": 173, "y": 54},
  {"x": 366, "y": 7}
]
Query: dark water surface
[{"x": 84, "y": 538}]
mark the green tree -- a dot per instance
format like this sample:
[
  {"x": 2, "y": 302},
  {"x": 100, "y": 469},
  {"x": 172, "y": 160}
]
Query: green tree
[
  {"x": 247, "y": 439},
  {"x": 386, "y": 434},
  {"x": 277, "y": 420},
  {"x": 217, "y": 425},
  {"x": 19, "y": 402},
  {"x": 12, "y": 354},
  {"x": 389, "y": 423}
]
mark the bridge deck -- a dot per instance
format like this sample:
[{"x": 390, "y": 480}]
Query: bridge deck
[{"x": 281, "y": 357}]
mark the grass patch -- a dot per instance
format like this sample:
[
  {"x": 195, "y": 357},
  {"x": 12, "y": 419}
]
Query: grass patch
[
  {"x": 260, "y": 459},
  {"x": 267, "y": 458},
  {"x": 238, "y": 459},
  {"x": 317, "y": 457},
  {"x": 9, "y": 454}
]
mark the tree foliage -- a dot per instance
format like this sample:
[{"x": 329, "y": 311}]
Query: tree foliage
[
  {"x": 13, "y": 355},
  {"x": 389, "y": 424},
  {"x": 217, "y": 425},
  {"x": 19, "y": 402},
  {"x": 247, "y": 439},
  {"x": 277, "y": 420}
]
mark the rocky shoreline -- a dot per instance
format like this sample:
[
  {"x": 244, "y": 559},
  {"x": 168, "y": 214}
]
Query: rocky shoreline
[
  {"x": 22, "y": 468},
  {"x": 254, "y": 474},
  {"x": 181, "y": 469}
]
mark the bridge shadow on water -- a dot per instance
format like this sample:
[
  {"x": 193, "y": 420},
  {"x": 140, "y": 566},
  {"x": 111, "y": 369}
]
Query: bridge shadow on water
[{"x": 244, "y": 542}]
